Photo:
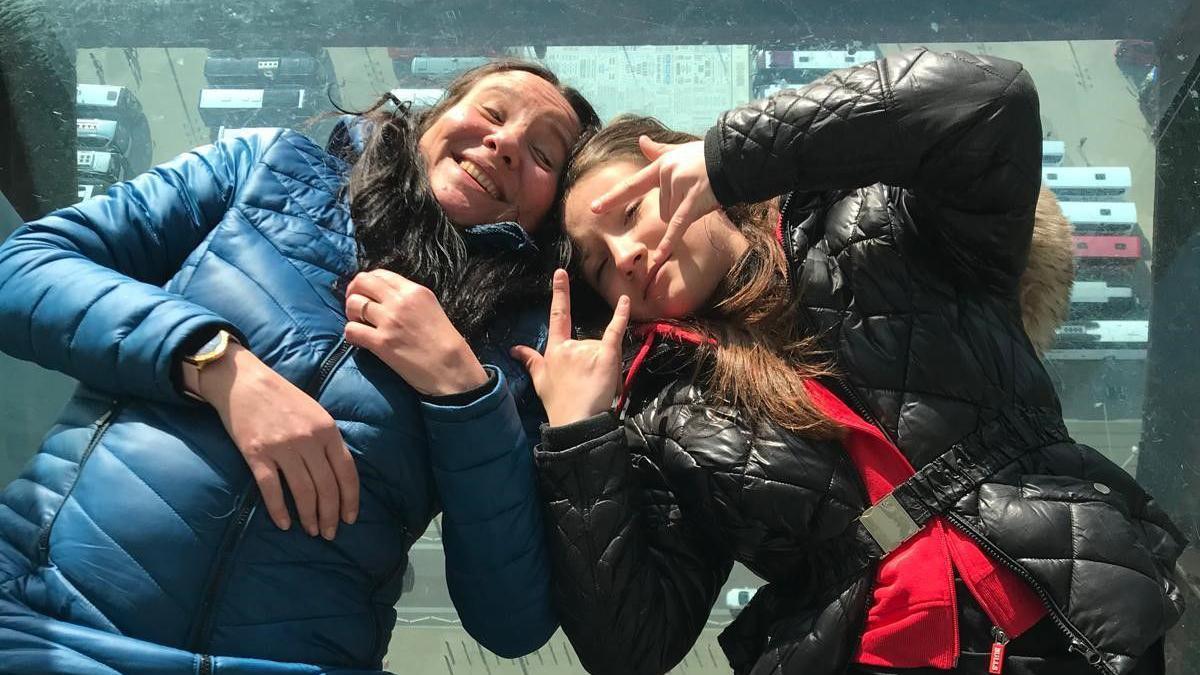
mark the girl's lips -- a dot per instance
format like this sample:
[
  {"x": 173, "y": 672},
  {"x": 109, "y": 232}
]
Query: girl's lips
[{"x": 652, "y": 278}]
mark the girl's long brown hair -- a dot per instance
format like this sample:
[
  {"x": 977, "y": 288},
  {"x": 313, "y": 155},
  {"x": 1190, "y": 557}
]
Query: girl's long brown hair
[
  {"x": 761, "y": 358},
  {"x": 400, "y": 226}
]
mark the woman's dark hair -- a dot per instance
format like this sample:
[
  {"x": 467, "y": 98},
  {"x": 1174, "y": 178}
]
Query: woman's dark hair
[
  {"x": 757, "y": 359},
  {"x": 400, "y": 226}
]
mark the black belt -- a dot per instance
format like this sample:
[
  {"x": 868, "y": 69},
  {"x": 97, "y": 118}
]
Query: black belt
[{"x": 937, "y": 486}]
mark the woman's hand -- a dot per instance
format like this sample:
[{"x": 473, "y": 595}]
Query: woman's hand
[
  {"x": 576, "y": 378},
  {"x": 280, "y": 430},
  {"x": 401, "y": 322},
  {"x": 685, "y": 194}
]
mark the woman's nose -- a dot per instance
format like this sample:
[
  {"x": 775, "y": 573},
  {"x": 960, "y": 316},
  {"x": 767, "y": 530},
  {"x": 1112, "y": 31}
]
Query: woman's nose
[{"x": 504, "y": 144}]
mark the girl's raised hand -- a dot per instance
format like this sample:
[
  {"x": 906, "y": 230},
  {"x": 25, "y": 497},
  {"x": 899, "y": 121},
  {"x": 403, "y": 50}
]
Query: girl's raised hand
[
  {"x": 576, "y": 378},
  {"x": 685, "y": 194}
]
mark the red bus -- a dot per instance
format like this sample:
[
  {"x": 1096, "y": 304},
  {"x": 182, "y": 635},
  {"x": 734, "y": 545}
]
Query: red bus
[{"x": 1106, "y": 256}]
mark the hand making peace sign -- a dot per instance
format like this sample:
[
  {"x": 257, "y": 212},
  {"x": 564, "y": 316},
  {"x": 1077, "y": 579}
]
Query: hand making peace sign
[
  {"x": 685, "y": 193},
  {"x": 576, "y": 378}
]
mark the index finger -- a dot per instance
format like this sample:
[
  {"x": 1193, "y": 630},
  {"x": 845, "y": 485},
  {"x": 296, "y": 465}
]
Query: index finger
[
  {"x": 560, "y": 308},
  {"x": 390, "y": 278},
  {"x": 368, "y": 285},
  {"x": 638, "y": 184}
]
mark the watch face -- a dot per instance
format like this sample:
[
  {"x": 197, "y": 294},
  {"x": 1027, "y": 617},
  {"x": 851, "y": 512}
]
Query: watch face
[{"x": 212, "y": 346}]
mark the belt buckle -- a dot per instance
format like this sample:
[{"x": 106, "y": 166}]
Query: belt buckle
[{"x": 888, "y": 523}]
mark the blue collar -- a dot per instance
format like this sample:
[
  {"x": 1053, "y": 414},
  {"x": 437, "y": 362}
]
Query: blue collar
[{"x": 504, "y": 236}]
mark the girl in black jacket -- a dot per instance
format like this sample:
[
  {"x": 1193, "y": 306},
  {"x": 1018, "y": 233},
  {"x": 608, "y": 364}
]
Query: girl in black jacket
[{"x": 857, "y": 343}]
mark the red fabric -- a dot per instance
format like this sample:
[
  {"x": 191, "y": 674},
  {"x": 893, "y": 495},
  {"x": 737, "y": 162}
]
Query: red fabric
[{"x": 913, "y": 618}]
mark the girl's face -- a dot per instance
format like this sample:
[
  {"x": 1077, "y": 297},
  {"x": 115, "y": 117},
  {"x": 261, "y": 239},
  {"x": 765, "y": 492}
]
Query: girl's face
[
  {"x": 497, "y": 154},
  {"x": 615, "y": 248}
]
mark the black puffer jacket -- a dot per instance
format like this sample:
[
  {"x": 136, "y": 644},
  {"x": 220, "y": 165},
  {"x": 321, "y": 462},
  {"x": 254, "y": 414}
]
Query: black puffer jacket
[{"x": 919, "y": 178}]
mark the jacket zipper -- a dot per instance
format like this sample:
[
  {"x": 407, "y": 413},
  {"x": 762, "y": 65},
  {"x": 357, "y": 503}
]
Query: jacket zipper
[
  {"x": 327, "y": 366},
  {"x": 787, "y": 250},
  {"x": 206, "y": 666},
  {"x": 1078, "y": 642},
  {"x": 102, "y": 424},
  {"x": 999, "y": 646},
  {"x": 248, "y": 502},
  {"x": 850, "y": 397}
]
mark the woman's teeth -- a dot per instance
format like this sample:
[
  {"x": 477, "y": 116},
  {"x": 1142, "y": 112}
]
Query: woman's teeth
[{"x": 480, "y": 177}]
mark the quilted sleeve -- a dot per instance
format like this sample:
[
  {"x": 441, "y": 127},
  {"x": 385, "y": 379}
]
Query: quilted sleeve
[
  {"x": 497, "y": 566},
  {"x": 961, "y": 133},
  {"x": 633, "y": 581},
  {"x": 80, "y": 289}
]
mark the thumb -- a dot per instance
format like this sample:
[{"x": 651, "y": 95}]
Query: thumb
[
  {"x": 530, "y": 358},
  {"x": 652, "y": 149}
]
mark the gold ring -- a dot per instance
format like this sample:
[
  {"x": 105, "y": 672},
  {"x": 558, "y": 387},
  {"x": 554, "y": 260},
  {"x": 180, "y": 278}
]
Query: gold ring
[{"x": 362, "y": 312}]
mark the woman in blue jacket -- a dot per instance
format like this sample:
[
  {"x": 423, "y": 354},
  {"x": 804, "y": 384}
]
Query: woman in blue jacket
[{"x": 212, "y": 310}]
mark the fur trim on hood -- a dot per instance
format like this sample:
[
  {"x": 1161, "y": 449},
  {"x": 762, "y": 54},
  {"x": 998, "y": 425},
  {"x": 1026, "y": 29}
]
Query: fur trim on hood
[{"x": 1045, "y": 289}]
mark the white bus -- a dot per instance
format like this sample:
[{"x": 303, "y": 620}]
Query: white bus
[
  {"x": 1088, "y": 183},
  {"x": 420, "y": 98},
  {"x": 106, "y": 101},
  {"x": 99, "y": 167},
  {"x": 261, "y": 68},
  {"x": 1104, "y": 334},
  {"x": 1099, "y": 300},
  {"x": 814, "y": 60},
  {"x": 276, "y": 107},
  {"x": 1053, "y": 152},
  {"x": 445, "y": 66},
  {"x": 1101, "y": 217}
]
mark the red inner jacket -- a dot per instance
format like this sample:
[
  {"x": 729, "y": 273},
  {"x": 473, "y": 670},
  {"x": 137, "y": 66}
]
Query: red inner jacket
[{"x": 913, "y": 618}]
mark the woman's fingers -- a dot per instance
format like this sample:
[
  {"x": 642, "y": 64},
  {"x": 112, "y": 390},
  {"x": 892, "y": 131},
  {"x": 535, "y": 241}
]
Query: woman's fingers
[
  {"x": 560, "y": 308},
  {"x": 329, "y": 500},
  {"x": 346, "y": 474},
  {"x": 269, "y": 485},
  {"x": 358, "y": 308},
  {"x": 304, "y": 493}
]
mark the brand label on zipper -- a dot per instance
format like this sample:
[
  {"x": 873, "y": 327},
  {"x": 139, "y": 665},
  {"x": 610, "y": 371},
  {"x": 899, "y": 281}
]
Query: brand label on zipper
[{"x": 996, "y": 660}]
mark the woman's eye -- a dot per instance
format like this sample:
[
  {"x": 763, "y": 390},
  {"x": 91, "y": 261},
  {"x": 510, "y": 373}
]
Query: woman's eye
[
  {"x": 494, "y": 114},
  {"x": 542, "y": 158}
]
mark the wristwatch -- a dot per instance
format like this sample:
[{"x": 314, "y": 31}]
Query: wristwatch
[{"x": 208, "y": 354}]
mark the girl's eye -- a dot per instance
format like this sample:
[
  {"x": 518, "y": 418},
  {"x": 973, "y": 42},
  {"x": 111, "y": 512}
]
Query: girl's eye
[
  {"x": 494, "y": 115},
  {"x": 631, "y": 210}
]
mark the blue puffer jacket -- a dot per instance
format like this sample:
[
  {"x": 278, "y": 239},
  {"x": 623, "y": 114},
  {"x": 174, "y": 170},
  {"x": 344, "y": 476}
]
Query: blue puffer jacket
[{"x": 133, "y": 542}]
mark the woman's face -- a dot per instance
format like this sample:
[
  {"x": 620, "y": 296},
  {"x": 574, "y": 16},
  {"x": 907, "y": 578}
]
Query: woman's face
[
  {"x": 615, "y": 248},
  {"x": 497, "y": 154}
]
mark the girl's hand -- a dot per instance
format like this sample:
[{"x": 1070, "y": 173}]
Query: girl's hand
[
  {"x": 685, "y": 194},
  {"x": 401, "y": 322},
  {"x": 576, "y": 378}
]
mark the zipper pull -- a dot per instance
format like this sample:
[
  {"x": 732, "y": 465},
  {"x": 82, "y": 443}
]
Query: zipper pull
[{"x": 999, "y": 645}]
